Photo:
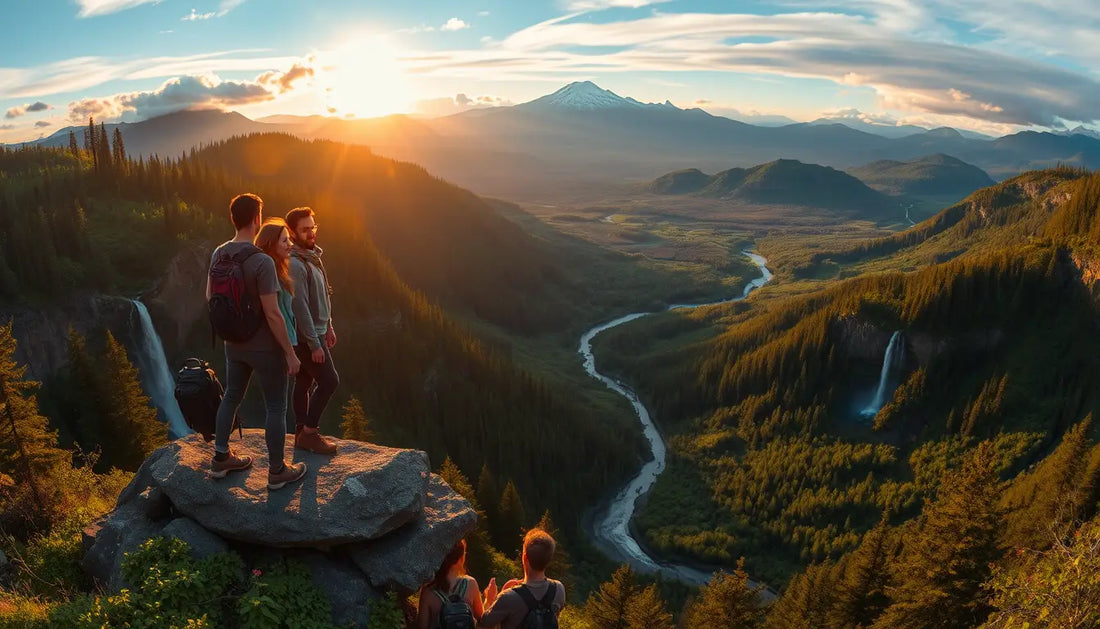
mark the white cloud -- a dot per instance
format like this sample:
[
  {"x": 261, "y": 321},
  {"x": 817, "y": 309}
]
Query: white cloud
[
  {"x": 907, "y": 73},
  {"x": 90, "y": 8},
  {"x": 454, "y": 24},
  {"x": 19, "y": 110},
  {"x": 194, "y": 16},
  {"x": 228, "y": 5},
  {"x": 193, "y": 92},
  {"x": 448, "y": 105},
  {"x": 599, "y": 5}
]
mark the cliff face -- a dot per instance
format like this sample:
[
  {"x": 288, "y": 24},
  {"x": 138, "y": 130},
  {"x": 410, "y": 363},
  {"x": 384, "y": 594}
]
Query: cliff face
[
  {"x": 178, "y": 300},
  {"x": 863, "y": 340},
  {"x": 43, "y": 332}
]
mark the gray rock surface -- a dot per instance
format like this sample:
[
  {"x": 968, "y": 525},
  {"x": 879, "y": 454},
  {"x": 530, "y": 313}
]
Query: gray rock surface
[
  {"x": 409, "y": 556},
  {"x": 362, "y": 493},
  {"x": 203, "y": 543},
  {"x": 108, "y": 539},
  {"x": 348, "y": 589}
]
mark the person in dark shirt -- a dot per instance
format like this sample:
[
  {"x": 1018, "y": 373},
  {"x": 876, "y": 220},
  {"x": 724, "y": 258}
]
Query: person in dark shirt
[
  {"x": 268, "y": 352},
  {"x": 509, "y": 609}
]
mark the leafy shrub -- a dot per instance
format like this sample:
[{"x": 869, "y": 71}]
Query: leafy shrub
[
  {"x": 386, "y": 613},
  {"x": 22, "y": 612},
  {"x": 50, "y": 567},
  {"x": 281, "y": 597}
]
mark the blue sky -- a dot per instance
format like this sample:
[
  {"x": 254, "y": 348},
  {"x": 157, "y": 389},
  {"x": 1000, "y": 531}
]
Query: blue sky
[{"x": 991, "y": 65}]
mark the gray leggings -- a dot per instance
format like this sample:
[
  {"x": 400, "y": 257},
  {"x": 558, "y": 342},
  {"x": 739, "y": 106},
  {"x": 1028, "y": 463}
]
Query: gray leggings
[{"x": 271, "y": 367}]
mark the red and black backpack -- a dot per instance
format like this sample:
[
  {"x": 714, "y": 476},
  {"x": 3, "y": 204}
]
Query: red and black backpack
[{"x": 235, "y": 311}]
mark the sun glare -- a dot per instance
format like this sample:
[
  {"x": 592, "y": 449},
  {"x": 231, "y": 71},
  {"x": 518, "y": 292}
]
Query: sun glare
[{"x": 363, "y": 78}]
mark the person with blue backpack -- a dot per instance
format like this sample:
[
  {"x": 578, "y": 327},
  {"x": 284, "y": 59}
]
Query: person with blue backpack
[
  {"x": 242, "y": 297},
  {"x": 451, "y": 600},
  {"x": 536, "y": 601}
]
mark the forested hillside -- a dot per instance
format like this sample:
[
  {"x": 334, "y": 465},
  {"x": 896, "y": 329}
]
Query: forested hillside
[{"x": 772, "y": 458}]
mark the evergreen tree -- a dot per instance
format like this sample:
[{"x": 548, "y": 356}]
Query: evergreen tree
[
  {"x": 560, "y": 567},
  {"x": 103, "y": 146},
  {"x": 28, "y": 448},
  {"x": 488, "y": 493},
  {"x": 646, "y": 610},
  {"x": 481, "y": 558},
  {"x": 807, "y": 601},
  {"x": 947, "y": 558},
  {"x": 85, "y": 400},
  {"x": 131, "y": 428},
  {"x": 511, "y": 519},
  {"x": 727, "y": 601},
  {"x": 118, "y": 151},
  {"x": 1044, "y": 503},
  {"x": 91, "y": 143},
  {"x": 355, "y": 425},
  {"x": 861, "y": 589},
  {"x": 73, "y": 148},
  {"x": 608, "y": 607}
]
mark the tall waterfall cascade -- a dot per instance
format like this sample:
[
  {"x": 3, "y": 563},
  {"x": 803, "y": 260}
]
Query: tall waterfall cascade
[
  {"x": 895, "y": 352},
  {"x": 156, "y": 375}
]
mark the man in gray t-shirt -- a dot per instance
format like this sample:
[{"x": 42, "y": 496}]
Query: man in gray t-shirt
[
  {"x": 509, "y": 609},
  {"x": 268, "y": 352}
]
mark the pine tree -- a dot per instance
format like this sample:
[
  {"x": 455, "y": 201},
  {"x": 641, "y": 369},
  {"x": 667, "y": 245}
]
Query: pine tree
[
  {"x": 947, "y": 559},
  {"x": 807, "y": 601},
  {"x": 1044, "y": 504},
  {"x": 118, "y": 151},
  {"x": 85, "y": 395},
  {"x": 74, "y": 149},
  {"x": 356, "y": 425},
  {"x": 560, "y": 567},
  {"x": 28, "y": 448},
  {"x": 646, "y": 610},
  {"x": 609, "y": 605},
  {"x": 91, "y": 143},
  {"x": 727, "y": 601},
  {"x": 131, "y": 428},
  {"x": 861, "y": 590},
  {"x": 481, "y": 557},
  {"x": 103, "y": 146},
  {"x": 511, "y": 519}
]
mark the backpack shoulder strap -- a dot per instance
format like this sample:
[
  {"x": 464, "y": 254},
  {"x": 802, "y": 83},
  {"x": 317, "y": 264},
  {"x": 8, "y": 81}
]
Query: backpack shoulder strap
[
  {"x": 548, "y": 598},
  {"x": 461, "y": 587},
  {"x": 246, "y": 253},
  {"x": 527, "y": 596},
  {"x": 443, "y": 598}
]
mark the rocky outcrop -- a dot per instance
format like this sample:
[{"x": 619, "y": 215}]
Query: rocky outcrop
[
  {"x": 368, "y": 518},
  {"x": 863, "y": 340}
]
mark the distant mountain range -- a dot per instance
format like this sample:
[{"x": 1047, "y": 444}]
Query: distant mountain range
[
  {"x": 781, "y": 182},
  {"x": 584, "y": 136}
]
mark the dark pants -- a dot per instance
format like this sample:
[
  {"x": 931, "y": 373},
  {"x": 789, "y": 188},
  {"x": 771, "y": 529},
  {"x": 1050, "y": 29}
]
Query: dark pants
[
  {"x": 270, "y": 366},
  {"x": 310, "y": 401}
]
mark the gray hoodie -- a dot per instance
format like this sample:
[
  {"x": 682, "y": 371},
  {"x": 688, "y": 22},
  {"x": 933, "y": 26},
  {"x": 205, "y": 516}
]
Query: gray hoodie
[{"x": 312, "y": 303}]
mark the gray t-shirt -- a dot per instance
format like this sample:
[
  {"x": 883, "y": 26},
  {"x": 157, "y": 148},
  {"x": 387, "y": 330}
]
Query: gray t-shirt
[
  {"x": 261, "y": 279},
  {"x": 509, "y": 610}
]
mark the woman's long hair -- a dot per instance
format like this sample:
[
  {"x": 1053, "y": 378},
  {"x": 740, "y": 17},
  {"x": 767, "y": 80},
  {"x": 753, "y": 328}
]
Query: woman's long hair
[
  {"x": 457, "y": 554},
  {"x": 267, "y": 240}
]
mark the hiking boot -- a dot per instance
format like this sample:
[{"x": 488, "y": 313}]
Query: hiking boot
[
  {"x": 289, "y": 474},
  {"x": 232, "y": 463},
  {"x": 312, "y": 441}
]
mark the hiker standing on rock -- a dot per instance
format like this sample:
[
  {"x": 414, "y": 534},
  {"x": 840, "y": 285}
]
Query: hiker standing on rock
[
  {"x": 316, "y": 336},
  {"x": 241, "y": 293}
]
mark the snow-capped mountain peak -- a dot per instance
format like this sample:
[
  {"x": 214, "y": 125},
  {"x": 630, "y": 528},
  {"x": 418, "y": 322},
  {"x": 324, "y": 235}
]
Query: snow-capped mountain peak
[{"x": 587, "y": 96}]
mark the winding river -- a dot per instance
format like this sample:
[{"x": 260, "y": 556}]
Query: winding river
[{"x": 610, "y": 528}]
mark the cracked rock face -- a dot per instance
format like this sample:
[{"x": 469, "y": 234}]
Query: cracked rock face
[{"x": 361, "y": 494}]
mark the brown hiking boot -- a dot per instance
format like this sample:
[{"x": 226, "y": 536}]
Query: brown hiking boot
[
  {"x": 314, "y": 442},
  {"x": 232, "y": 463},
  {"x": 289, "y": 474}
]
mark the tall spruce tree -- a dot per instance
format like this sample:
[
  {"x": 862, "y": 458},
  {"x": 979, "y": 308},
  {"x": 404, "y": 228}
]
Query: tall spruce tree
[
  {"x": 647, "y": 610},
  {"x": 74, "y": 149},
  {"x": 511, "y": 520},
  {"x": 727, "y": 601},
  {"x": 861, "y": 588},
  {"x": 131, "y": 428},
  {"x": 1045, "y": 503},
  {"x": 481, "y": 557},
  {"x": 807, "y": 601},
  {"x": 608, "y": 607},
  {"x": 488, "y": 492},
  {"x": 946, "y": 559},
  {"x": 84, "y": 400},
  {"x": 118, "y": 151},
  {"x": 28, "y": 448},
  {"x": 355, "y": 424}
]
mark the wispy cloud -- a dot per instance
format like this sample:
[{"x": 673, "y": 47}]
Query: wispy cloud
[
  {"x": 454, "y": 24},
  {"x": 228, "y": 5},
  {"x": 908, "y": 73},
  {"x": 91, "y": 8},
  {"x": 195, "y": 16},
  {"x": 43, "y": 123},
  {"x": 459, "y": 102},
  {"x": 599, "y": 5}
]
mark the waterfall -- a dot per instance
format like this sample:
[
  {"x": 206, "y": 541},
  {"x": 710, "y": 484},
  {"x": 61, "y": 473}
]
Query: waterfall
[
  {"x": 156, "y": 376},
  {"x": 893, "y": 352}
]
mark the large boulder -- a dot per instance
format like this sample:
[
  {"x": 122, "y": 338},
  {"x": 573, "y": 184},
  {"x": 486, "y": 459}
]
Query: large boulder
[
  {"x": 108, "y": 539},
  {"x": 361, "y": 494},
  {"x": 409, "y": 557}
]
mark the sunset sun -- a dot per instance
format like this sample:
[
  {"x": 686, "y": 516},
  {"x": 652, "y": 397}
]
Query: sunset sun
[{"x": 363, "y": 78}]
